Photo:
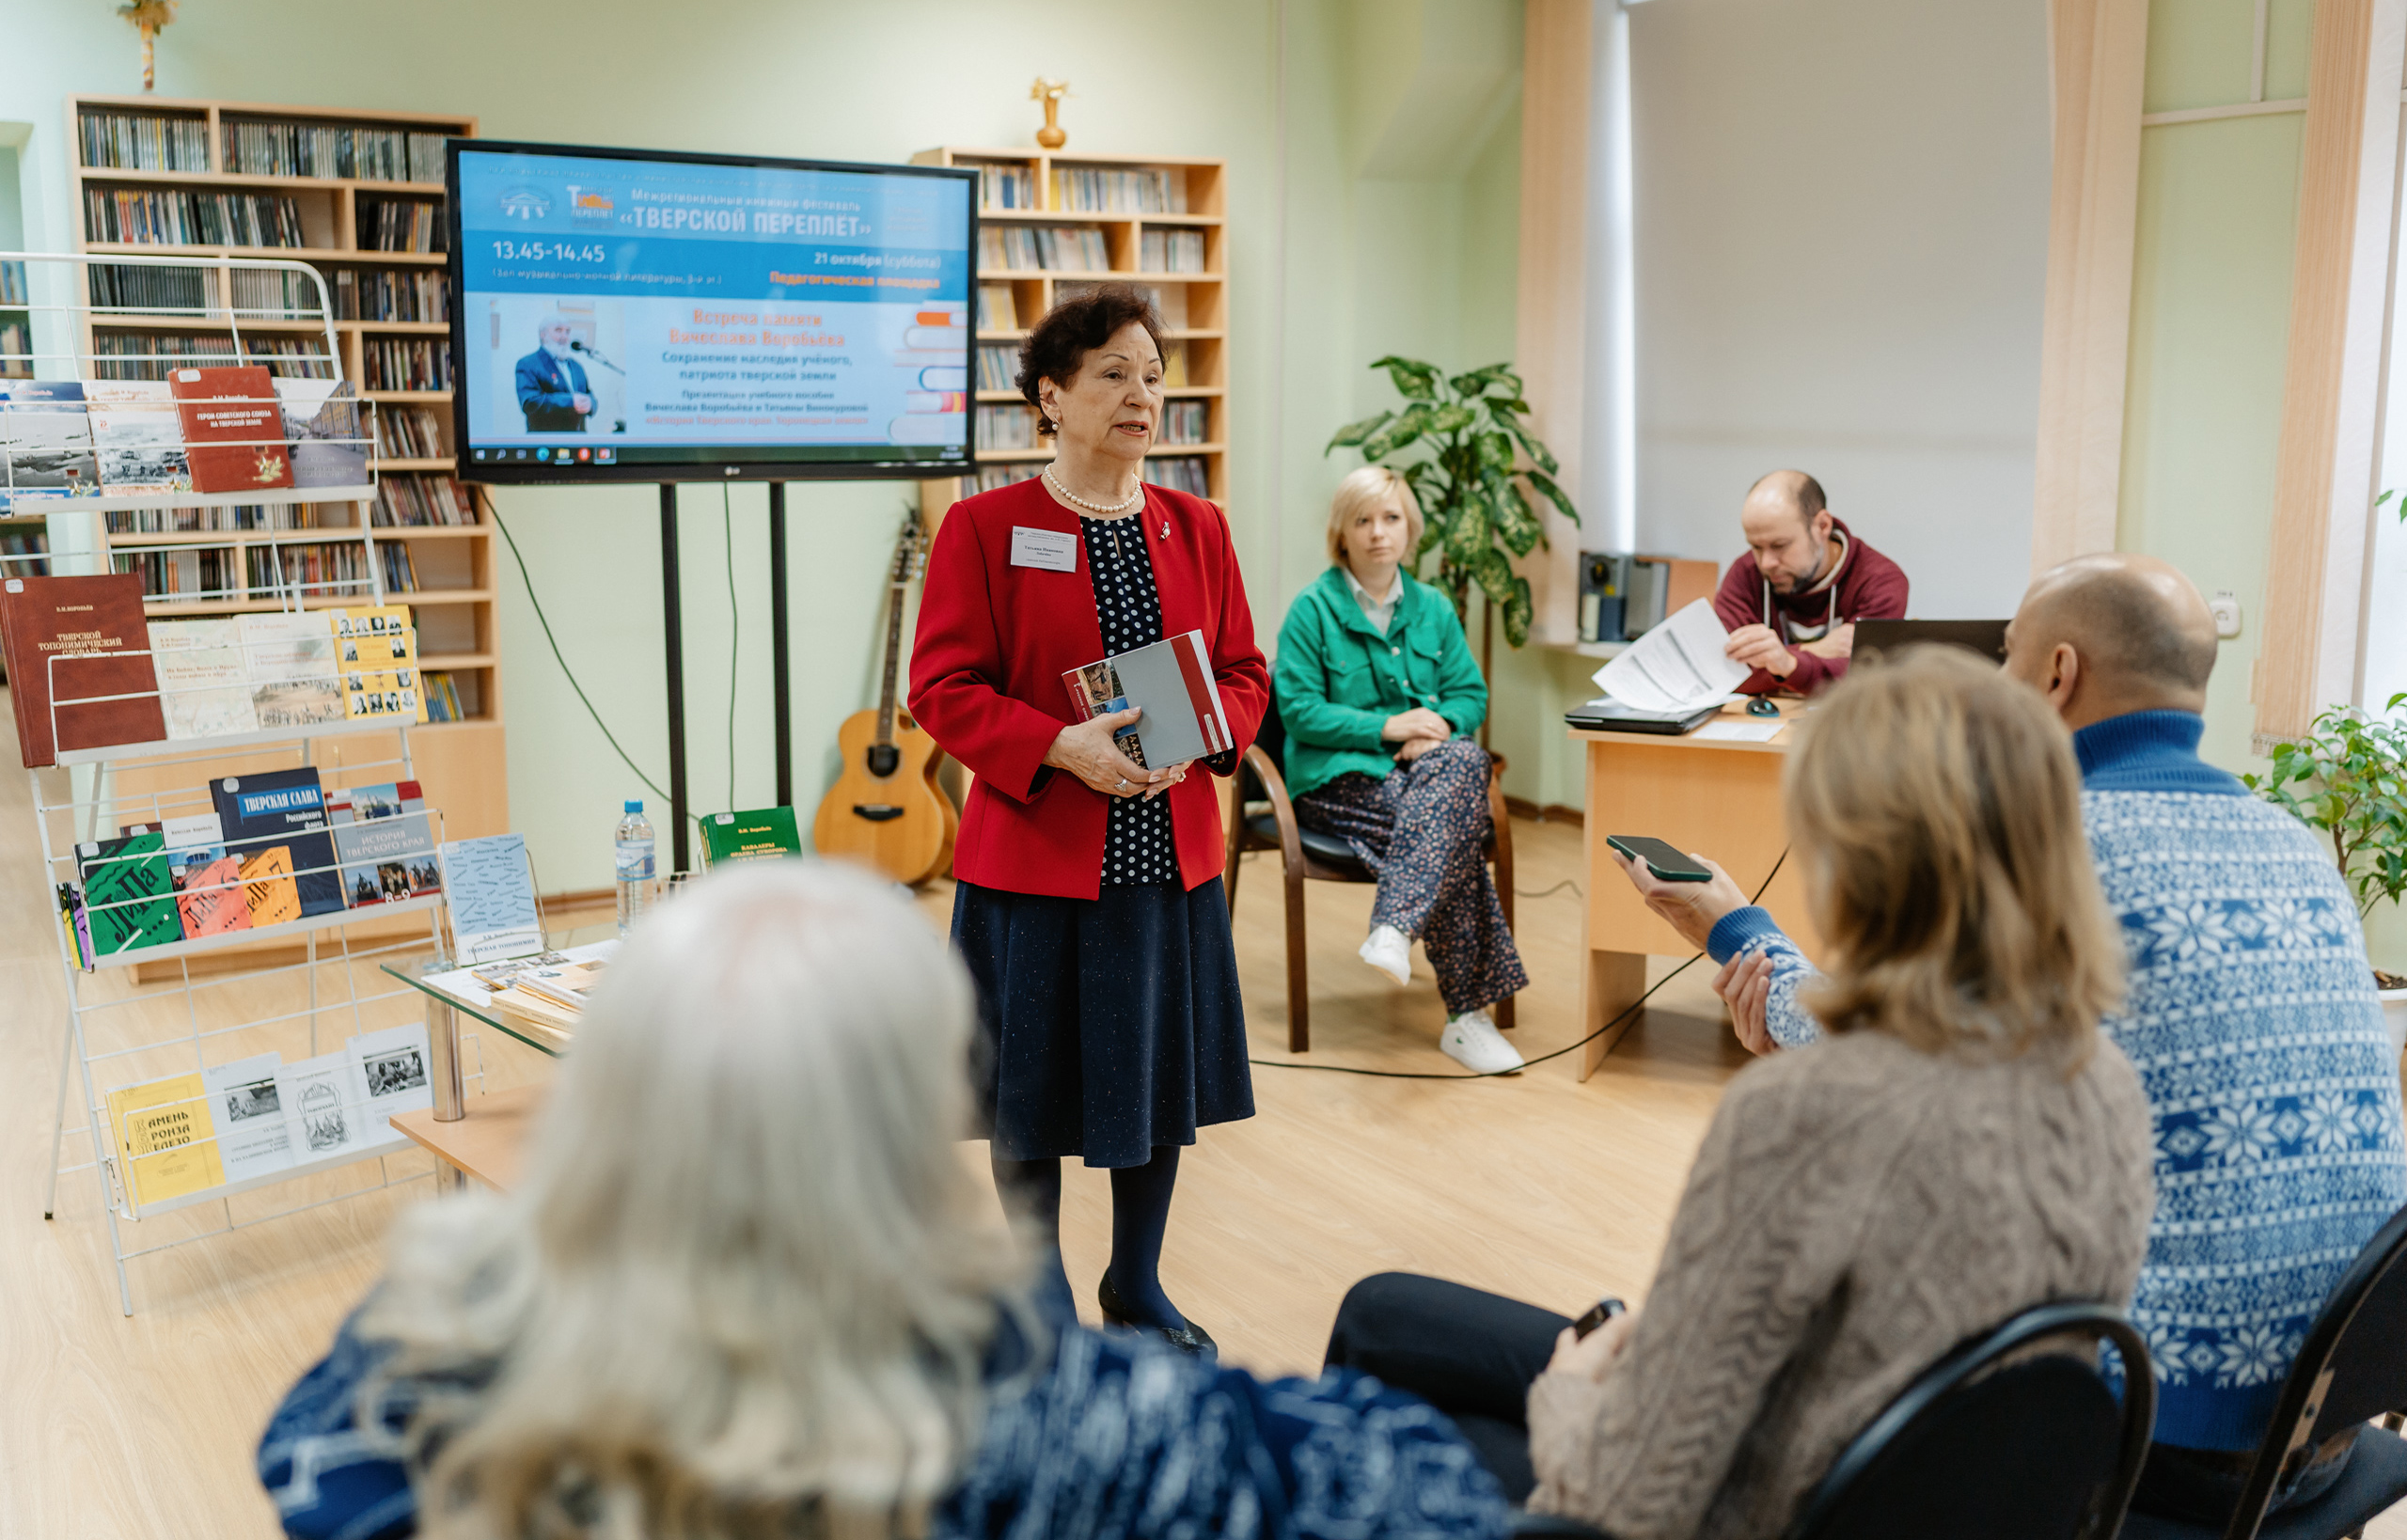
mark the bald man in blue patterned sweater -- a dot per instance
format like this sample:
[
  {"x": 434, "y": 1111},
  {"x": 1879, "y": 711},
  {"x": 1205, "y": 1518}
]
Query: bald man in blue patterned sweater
[{"x": 2251, "y": 1017}]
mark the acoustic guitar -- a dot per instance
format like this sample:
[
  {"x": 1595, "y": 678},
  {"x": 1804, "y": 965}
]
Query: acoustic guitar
[{"x": 886, "y": 809}]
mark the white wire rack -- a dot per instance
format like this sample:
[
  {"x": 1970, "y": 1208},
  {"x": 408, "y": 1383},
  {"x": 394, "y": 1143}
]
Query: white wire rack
[{"x": 125, "y": 1023}]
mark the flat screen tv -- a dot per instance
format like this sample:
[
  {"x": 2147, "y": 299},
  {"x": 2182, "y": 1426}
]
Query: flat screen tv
[{"x": 631, "y": 315}]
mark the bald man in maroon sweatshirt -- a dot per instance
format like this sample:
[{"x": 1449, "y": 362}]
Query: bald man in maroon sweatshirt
[{"x": 1791, "y": 603}]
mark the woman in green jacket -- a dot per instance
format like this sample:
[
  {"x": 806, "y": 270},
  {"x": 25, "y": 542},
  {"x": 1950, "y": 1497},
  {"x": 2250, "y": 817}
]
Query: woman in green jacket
[{"x": 1379, "y": 692}]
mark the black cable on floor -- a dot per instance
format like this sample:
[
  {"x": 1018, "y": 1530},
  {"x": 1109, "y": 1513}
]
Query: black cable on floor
[{"x": 1635, "y": 1006}]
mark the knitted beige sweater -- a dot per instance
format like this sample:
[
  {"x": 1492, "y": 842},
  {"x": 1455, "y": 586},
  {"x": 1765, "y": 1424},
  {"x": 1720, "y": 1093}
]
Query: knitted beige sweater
[{"x": 1858, "y": 1208}]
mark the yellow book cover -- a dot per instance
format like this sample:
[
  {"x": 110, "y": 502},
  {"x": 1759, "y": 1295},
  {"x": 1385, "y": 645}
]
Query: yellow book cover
[
  {"x": 396, "y": 692},
  {"x": 376, "y": 620},
  {"x": 167, "y": 1138},
  {"x": 268, "y": 888},
  {"x": 1175, "y": 367}
]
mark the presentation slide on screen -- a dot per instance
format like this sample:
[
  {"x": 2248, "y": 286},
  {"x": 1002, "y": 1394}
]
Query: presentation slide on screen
[{"x": 630, "y": 311}]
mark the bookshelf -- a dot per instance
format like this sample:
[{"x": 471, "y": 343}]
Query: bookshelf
[
  {"x": 357, "y": 196},
  {"x": 1049, "y": 223}
]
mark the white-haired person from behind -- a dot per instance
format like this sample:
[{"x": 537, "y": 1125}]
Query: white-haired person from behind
[{"x": 749, "y": 1286}]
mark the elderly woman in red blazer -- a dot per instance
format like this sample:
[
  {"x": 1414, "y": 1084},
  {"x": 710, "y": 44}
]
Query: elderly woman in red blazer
[{"x": 1089, "y": 902}]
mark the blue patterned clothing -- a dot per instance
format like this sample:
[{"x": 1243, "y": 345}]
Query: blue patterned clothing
[
  {"x": 1116, "y": 1438},
  {"x": 2252, "y": 1019}
]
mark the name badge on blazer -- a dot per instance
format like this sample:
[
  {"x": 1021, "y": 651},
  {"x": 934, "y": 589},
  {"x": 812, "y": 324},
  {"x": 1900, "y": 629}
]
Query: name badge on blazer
[{"x": 1048, "y": 549}]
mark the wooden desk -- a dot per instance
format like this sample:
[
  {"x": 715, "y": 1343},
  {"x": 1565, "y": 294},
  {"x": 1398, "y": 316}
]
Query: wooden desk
[
  {"x": 1716, "y": 797},
  {"x": 488, "y": 1141}
]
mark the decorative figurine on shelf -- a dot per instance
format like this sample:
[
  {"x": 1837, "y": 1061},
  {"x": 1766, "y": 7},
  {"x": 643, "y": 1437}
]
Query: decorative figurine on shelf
[
  {"x": 150, "y": 16},
  {"x": 1050, "y": 92}
]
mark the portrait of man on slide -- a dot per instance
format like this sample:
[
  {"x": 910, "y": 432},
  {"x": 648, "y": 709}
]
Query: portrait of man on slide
[{"x": 552, "y": 387}]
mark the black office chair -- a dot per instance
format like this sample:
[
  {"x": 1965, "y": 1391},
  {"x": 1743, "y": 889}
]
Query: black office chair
[
  {"x": 2014, "y": 1435},
  {"x": 2351, "y": 1368},
  {"x": 1266, "y": 820}
]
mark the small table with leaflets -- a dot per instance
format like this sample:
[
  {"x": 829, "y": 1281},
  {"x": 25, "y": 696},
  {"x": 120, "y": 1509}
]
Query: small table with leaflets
[{"x": 485, "y": 1139}]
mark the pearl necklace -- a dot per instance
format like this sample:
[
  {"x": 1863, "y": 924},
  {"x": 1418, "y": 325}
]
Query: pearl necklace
[{"x": 1106, "y": 510}]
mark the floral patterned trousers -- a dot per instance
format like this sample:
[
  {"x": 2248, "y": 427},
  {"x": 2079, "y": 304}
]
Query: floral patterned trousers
[{"x": 1423, "y": 830}]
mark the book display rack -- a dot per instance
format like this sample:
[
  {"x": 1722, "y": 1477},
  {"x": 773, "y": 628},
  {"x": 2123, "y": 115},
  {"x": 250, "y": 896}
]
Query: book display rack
[
  {"x": 355, "y": 198},
  {"x": 1049, "y": 223},
  {"x": 200, "y": 1088}
]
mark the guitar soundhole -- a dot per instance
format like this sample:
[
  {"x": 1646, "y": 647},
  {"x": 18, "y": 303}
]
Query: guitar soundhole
[{"x": 882, "y": 760}]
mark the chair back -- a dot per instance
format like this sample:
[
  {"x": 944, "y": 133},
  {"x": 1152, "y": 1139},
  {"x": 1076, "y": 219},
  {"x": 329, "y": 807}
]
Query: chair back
[
  {"x": 1271, "y": 738},
  {"x": 2351, "y": 1368},
  {"x": 2016, "y": 1434}
]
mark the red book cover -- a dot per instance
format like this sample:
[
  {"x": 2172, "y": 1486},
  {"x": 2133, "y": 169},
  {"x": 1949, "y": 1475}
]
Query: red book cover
[
  {"x": 233, "y": 428},
  {"x": 88, "y": 624}
]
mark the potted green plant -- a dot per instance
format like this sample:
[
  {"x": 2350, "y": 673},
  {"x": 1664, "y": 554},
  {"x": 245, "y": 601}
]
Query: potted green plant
[
  {"x": 1452, "y": 441},
  {"x": 2348, "y": 778}
]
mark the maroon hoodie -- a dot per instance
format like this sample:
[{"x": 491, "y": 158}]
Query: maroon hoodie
[{"x": 1870, "y": 587}]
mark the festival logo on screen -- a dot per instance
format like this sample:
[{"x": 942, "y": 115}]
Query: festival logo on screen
[
  {"x": 586, "y": 204},
  {"x": 525, "y": 203}
]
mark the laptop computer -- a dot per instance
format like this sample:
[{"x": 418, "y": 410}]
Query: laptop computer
[
  {"x": 1606, "y": 715},
  {"x": 1874, "y": 638}
]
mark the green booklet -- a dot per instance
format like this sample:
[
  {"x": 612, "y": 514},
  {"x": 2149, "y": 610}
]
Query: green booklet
[
  {"x": 749, "y": 836},
  {"x": 127, "y": 892}
]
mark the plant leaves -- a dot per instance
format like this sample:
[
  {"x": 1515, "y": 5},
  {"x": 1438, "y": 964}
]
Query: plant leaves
[
  {"x": 1539, "y": 455},
  {"x": 1467, "y": 535},
  {"x": 1452, "y": 418},
  {"x": 1494, "y": 576},
  {"x": 1518, "y": 522},
  {"x": 1495, "y": 450},
  {"x": 1355, "y": 432},
  {"x": 1478, "y": 381},
  {"x": 1555, "y": 495},
  {"x": 1414, "y": 379},
  {"x": 1518, "y": 613},
  {"x": 1395, "y": 435}
]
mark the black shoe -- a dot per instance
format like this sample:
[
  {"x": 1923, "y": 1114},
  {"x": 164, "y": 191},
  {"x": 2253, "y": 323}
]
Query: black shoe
[{"x": 1191, "y": 1339}]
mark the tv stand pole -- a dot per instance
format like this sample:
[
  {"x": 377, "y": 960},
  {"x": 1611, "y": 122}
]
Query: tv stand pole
[
  {"x": 780, "y": 667},
  {"x": 673, "y": 625}
]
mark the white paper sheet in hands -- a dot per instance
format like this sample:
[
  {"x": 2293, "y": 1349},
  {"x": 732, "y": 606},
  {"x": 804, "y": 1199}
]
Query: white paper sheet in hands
[{"x": 1678, "y": 666}]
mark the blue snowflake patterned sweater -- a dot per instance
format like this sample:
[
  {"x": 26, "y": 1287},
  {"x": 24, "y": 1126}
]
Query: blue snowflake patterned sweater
[
  {"x": 1113, "y": 1439},
  {"x": 2252, "y": 1019}
]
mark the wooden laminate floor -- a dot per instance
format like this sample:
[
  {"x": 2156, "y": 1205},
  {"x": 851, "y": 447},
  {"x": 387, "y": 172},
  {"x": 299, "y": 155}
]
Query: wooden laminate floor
[{"x": 1535, "y": 1186}]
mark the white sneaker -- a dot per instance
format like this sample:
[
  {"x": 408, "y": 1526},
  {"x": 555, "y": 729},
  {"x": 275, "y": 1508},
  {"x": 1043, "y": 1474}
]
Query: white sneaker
[
  {"x": 1390, "y": 950},
  {"x": 1472, "y": 1041}
]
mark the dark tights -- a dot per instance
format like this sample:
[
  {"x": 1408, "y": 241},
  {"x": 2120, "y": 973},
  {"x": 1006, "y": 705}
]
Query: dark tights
[{"x": 1140, "y": 1214}]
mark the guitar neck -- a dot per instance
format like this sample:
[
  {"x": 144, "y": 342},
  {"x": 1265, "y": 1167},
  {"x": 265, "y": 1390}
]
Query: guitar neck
[{"x": 893, "y": 650}]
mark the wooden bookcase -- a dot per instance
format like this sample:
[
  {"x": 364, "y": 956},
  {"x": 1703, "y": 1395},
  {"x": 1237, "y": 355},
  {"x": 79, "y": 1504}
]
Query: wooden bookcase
[
  {"x": 1058, "y": 192},
  {"x": 190, "y": 146}
]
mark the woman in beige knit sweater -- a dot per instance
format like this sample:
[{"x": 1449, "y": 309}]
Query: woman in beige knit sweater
[{"x": 1966, "y": 1146}]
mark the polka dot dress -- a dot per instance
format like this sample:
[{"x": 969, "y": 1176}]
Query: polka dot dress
[{"x": 1137, "y": 842}]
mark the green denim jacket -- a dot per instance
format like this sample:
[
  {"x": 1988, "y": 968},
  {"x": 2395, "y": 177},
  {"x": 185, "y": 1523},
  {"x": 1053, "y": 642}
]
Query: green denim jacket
[{"x": 1338, "y": 680}]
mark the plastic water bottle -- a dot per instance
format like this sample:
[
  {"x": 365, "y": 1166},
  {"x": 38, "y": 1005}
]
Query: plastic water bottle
[{"x": 638, "y": 877}]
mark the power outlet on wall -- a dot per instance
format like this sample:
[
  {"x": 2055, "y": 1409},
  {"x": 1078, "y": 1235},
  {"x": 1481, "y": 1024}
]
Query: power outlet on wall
[{"x": 2224, "y": 607}]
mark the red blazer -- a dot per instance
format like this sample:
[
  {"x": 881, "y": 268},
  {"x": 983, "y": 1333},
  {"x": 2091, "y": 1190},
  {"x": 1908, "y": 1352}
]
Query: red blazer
[{"x": 986, "y": 664}]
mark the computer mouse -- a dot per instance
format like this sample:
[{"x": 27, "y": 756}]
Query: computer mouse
[{"x": 1763, "y": 705}]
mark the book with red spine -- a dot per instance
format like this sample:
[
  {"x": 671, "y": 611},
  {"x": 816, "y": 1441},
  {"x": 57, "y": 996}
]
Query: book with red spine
[
  {"x": 233, "y": 428},
  {"x": 90, "y": 624},
  {"x": 1171, "y": 682}
]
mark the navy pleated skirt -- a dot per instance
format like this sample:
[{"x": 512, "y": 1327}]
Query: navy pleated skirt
[{"x": 1109, "y": 1026}]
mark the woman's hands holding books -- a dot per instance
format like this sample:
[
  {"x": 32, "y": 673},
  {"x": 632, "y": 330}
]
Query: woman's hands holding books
[{"x": 1086, "y": 750}]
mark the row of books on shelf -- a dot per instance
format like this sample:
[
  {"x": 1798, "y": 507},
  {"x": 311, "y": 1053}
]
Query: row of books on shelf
[
  {"x": 16, "y": 350},
  {"x": 1169, "y": 251},
  {"x": 88, "y": 669},
  {"x": 24, "y": 553},
  {"x": 992, "y": 477},
  {"x": 997, "y": 366},
  {"x": 231, "y": 429},
  {"x": 410, "y": 433},
  {"x": 141, "y": 141},
  {"x": 13, "y": 289},
  {"x": 257, "y": 294},
  {"x": 401, "y": 223},
  {"x": 257, "y": 1116},
  {"x": 405, "y": 363},
  {"x": 1180, "y": 473},
  {"x": 372, "y": 293},
  {"x": 183, "y": 218},
  {"x": 1014, "y": 427},
  {"x": 155, "y": 355},
  {"x": 1006, "y": 187},
  {"x": 1074, "y": 248},
  {"x": 228, "y": 519},
  {"x": 332, "y": 150},
  {"x": 407, "y": 501},
  {"x": 276, "y": 846},
  {"x": 1095, "y": 190},
  {"x": 279, "y": 572}
]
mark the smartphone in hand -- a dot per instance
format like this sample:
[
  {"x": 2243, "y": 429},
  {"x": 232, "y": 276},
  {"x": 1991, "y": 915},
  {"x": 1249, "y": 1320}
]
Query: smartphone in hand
[
  {"x": 1667, "y": 863},
  {"x": 1603, "y": 1311}
]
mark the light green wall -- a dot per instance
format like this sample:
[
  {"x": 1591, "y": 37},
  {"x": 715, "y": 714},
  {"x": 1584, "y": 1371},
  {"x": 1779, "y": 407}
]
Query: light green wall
[{"x": 1372, "y": 263}]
